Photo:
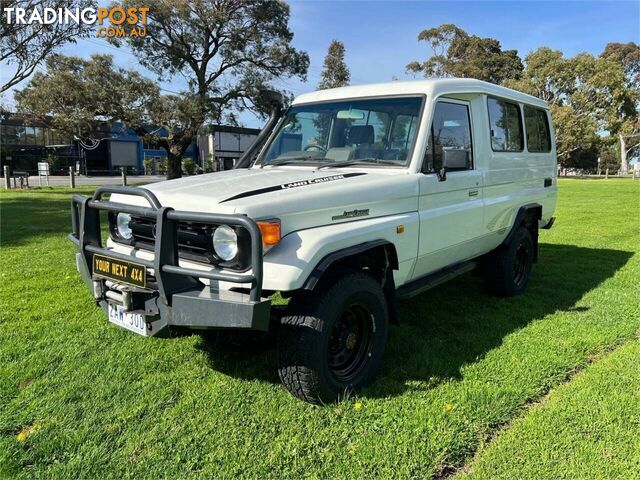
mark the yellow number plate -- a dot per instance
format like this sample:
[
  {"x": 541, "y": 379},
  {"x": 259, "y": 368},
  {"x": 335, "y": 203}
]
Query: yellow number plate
[{"x": 120, "y": 271}]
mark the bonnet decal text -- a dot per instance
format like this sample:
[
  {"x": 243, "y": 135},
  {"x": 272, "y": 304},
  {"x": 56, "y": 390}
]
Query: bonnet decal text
[{"x": 297, "y": 184}]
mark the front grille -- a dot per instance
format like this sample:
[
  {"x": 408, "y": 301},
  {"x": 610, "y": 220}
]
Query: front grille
[{"x": 194, "y": 240}]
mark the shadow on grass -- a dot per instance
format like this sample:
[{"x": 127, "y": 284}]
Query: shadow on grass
[{"x": 458, "y": 322}]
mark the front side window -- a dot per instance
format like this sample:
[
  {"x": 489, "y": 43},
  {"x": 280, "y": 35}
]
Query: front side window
[
  {"x": 449, "y": 139},
  {"x": 506, "y": 126},
  {"x": 374, "y": 131},
  {"x": 537, "y": 126}
]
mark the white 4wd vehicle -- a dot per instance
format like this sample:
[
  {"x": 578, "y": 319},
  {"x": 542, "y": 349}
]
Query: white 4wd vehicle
[{"x": 358, "y": 196}]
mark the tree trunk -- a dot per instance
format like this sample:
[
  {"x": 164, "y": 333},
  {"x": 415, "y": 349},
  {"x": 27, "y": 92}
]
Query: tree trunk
[
  {"x": 624, "y": 165},
  {"x": 176, "y": 146},
  {"x": 174, "y": 165}
]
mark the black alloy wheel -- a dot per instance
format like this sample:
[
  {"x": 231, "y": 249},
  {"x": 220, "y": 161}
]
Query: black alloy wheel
[{"x": 350, "y": 342}]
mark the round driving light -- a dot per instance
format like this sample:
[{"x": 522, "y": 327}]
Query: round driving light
[
  {"x": 122, "y": 225},
  {"x": 225, "y": 242}
]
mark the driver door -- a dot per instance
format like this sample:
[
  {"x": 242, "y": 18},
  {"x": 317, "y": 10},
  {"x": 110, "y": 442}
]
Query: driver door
[{"x": 450, "y": 209}]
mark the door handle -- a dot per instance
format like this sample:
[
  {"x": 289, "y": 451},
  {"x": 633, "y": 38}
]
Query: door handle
[{"x": 473, "y": 193}]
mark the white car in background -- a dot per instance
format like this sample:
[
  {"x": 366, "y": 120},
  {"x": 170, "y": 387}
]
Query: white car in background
[{"x": 357, "y": 196}]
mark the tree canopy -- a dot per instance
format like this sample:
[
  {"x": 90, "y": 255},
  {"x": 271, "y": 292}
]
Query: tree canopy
[
  {"x": 27, "y": 45},
  {"x": 335, "y": 72},
  {"x": 75, "y": 94},
  {"x": 225, "y": 49},
  {"x": 458, "y": 54},
  {"x": 628, "y": 55}
]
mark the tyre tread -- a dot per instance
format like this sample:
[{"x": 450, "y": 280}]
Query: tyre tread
[{"x": 295, "y": 345}]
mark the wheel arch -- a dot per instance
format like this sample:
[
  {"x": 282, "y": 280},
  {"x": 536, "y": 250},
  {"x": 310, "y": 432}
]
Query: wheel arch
[
  {"x": 528, "y": 215},
  {"x": 379, "y": 257}
]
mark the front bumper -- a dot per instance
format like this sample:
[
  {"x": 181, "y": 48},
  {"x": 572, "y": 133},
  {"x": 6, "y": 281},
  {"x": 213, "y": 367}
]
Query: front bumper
[{"x": 176, "y": 295}]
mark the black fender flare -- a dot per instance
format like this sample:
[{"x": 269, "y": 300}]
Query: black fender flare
[
  {"x": 324, "y": 264},
  {"x": 388, "y": 284},
  {"x": 529, "y": 215}
]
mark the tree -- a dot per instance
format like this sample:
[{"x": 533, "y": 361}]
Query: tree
[
  {"x": 548, "y": 75},
  {"x": 226, "y": 49},
  {"x": 75, "y": 94},
  {"x": 575, "y": 132},
  {"x": 585, "y": 160},
  {"x": 458, "y": 54},
  {"x": 608, "y": 155},
  {"x": 628, "y": 55},
  {"x": 628, "y": 131},
  {"x": 27, "y": 45},
  {"x": 335, "y": 72}
]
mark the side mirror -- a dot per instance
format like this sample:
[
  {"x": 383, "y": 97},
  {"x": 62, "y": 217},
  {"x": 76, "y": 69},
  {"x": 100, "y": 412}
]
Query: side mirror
[{"x": 453, "y": 159}]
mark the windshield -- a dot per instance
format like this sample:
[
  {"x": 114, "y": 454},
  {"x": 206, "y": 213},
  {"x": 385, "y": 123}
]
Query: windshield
[{"x": 376, "y": 131}]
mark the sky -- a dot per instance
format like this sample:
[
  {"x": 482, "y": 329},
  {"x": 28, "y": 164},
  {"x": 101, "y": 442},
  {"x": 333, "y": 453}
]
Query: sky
[{"x": 380, "y": 37}]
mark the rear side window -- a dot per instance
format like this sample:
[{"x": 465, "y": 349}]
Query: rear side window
[
  {"x": 537, "y": 126},
  {"x": 451, "y": 137},
  {"x": 506, "y": 126}
]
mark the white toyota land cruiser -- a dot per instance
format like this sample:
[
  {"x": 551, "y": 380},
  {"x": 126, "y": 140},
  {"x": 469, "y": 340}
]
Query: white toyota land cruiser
[{"x": 357, "y": 196}]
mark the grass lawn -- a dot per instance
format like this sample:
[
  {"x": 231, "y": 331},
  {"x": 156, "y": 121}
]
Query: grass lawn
[
  {"x": 587, "y": 428},
  {"x": 541, "y": 385}
]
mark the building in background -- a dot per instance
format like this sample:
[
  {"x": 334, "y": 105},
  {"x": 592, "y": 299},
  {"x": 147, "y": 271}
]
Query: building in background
[
  {"x": 23, "y": 144},
  {"x": 223, "y": 145}
]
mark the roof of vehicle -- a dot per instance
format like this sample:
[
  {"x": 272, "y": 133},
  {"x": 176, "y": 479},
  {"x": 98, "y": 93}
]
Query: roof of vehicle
[{"x": 431, "y": 87}]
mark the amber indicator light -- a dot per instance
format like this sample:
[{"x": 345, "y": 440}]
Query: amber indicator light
[{"x": 270, "y": 232}]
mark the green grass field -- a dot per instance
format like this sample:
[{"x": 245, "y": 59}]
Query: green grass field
[{"x": 544, "y": 385}]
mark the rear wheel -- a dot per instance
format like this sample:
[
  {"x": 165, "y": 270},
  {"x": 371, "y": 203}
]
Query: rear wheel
[
  {"x": 509, "y": 267},
  {"x": 332, "y": 343}
]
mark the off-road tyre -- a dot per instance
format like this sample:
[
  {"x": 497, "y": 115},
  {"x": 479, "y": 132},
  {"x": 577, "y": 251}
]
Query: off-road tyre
[
  {"x": 322, "y": 357},
  {"x": 508, "y": 268}
]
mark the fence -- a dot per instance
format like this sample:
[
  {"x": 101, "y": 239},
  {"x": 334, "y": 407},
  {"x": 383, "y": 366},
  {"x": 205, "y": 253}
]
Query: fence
[{"x": 20, "y": 178}]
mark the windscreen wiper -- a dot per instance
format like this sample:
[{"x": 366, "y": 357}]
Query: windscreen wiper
[
  {"x": 366, "y": 161},
  {"x": 287, "y": 161}
]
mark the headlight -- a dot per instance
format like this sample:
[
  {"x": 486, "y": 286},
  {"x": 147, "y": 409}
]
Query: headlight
[
  {"x": 122, "y": 225},
  {"x": 225, "y": 242}
]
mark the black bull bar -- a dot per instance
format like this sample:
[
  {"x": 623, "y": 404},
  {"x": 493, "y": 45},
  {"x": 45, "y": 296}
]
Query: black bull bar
[{"x": 183, "y": 299}]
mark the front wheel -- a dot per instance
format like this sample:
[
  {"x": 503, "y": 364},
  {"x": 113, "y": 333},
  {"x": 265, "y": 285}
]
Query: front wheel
[{"x": 332, "y": 344}]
